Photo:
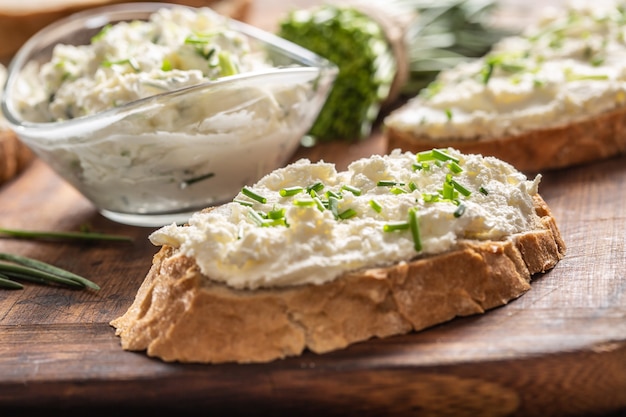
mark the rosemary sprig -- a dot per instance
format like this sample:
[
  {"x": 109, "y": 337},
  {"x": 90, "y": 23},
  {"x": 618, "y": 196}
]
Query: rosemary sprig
[
  {"x": 82, "y": 236},
  {"x": 21, "y": 267}
]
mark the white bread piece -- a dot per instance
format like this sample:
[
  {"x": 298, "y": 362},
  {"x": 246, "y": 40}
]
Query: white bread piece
[
  {"x": 561, "y": 102},
  {"x": 180, "y": 314},
  {"x": 19, "y": 20}
]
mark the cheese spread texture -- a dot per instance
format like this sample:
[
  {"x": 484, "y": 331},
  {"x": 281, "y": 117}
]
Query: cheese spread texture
[
  {"x": 177, "y": 47},
  {"x": 308, "y": 223},
  {"x": 570, "y": 66}
]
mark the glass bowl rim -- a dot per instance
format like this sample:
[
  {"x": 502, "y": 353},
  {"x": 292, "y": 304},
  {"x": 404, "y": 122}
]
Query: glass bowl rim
[{"x": 98, "y": 17}]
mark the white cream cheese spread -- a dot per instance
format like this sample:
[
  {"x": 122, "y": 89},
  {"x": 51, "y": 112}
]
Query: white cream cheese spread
[
  {"x": 177, "y": 47},
  {"x": 309, "y": 223},
  {"x": 570, "y": 66}
]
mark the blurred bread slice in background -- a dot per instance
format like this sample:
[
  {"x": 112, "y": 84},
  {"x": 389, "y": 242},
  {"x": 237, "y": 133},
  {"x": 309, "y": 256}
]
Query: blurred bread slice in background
[
  {"x": 14, "y": 155},
  {"x": 20, "y": 19}
]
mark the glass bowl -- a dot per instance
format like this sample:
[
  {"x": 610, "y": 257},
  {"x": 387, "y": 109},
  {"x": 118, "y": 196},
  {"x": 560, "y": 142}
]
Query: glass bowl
[{"x": 158, "y": 159}]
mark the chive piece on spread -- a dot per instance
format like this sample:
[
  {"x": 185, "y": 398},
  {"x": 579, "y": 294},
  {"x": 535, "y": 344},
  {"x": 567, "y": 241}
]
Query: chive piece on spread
[
  {"x": 460, "y": 210},
  {"x": 277, "y": 213},
  {"x": 290, "y": 191},
  {"x": 454, "y": 167},
  {"x": 460, "y": 188},
  {"x": 347, "y": 214},
  {"x": 256, "y": 197},
  {"x": 483, "y": 191},
  {"x": 443, "y": 156},
  {"x": 243, "y": 203},
  {"x": 396, "y": 226},
  {"x": 333, "y": 205},
  {"x": 376, "y": 206},
  {"x": 415, "y": 231},
  {"x": 352, "y": 189},
  {"x": 319, "y": 203},
  {"x": 304, "y": 203},
  {"x": 317, "y": 187},
  {"x": 256, "y": 217},
  {"x": 388, "y": 183}
]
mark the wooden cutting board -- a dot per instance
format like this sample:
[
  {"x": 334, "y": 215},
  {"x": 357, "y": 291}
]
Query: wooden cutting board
[{"x": 559, "y": 350}]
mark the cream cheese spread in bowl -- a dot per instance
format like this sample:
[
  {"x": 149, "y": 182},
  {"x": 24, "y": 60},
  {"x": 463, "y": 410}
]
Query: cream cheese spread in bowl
[{"x": 153, "y": 112}]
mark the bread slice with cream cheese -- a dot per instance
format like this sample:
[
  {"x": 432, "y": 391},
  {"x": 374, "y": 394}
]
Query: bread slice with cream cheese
[
  {"x": 550, "y": 98},
  {"x": 314, "y": 259}
]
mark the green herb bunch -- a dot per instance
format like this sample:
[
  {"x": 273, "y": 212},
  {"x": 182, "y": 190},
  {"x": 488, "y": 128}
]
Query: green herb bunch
[{"x": 439, "y": 34}]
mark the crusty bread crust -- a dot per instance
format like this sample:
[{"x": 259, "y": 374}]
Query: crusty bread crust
[
  {"x": 589, "y": 140},
  {"x": 180, "y": 315},
  {"x": 14, "y": 155},
  {"x": 19, "y": 22}
]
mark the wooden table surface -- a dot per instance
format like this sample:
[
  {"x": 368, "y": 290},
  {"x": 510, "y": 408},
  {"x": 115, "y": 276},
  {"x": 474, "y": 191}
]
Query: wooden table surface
[{"x": 559, "y": 350}]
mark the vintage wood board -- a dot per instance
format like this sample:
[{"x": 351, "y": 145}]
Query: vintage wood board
[{"x": 560, "y": 349}]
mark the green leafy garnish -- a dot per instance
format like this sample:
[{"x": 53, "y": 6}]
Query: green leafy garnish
[{"x": 253, "y": 195}]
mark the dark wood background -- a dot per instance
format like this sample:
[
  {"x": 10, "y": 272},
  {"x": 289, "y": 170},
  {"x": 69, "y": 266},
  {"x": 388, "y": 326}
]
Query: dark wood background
[{"x": 559, "y": 350}]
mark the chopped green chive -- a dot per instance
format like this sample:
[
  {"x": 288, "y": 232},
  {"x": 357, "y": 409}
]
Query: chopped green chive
[
  {"x": 227, "y": 65},
  {"x": 319, "y": 203},
  {"x": 397, "y": 190},
  {"x": 333, "y": 205},
  {"x": 256, "y": 197},
  {"x": 316, "y": 187},
  {"x": 460, "y": 188},
  {"x": 129, "y": 61},
  {"x": 278, "y": 213},
  {"x": 243, "y": 202},
  {"x": 448, "y": 191},
  {"x": 460, "y": 210},
  {"x": 331, "y": 193},
  {"x": 483, "y": 191},
  {"x": 430, "y": 198},
  {"x": 415, "y": 231},
  {"x": 256, "y": 217},
  {"x": 185, "y": 183},
  {"x": 377, "y": 207},
  {"x": 388, "y": 183},
  {"x": 454, "y": 167},
  {"x": 352, "y": 189},
  {"x": 290, "y": 191},
  {"x": 304, "y": 203},
  {"x": 347, "y": 214},
  {"x": 395, "y": 226}
]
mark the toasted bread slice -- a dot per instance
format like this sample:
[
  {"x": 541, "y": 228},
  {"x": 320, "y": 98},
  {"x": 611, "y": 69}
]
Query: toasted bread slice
[
  {"x": 593, "y": 139},
  {"x": 182, "y": 314}
]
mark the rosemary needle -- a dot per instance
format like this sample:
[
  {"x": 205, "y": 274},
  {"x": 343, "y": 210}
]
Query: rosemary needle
[
  {"x": 43, "y": 270},
  {"x": 32, "y": 234}
]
